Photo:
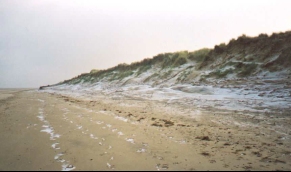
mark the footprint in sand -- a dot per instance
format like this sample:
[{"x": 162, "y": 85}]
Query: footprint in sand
[
  {"x": 141, "y": 150},
  {"x": 162, "y": 166},
  {"x": 58, "y": 156},
  {"x": 130, "y": 140},
  {"x": 55, "y": 146},
  {"x": 67, "y": 167},
  {"x": 110, "y": 166},
  {"x": 120, "y": 133},
  {"x": 93, "y": 137}
]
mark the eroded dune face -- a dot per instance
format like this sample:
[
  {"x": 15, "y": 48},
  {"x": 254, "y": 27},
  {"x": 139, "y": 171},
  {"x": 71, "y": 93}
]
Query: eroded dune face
[
  {"x": 264, "y": 95},
  {"x": 250, "y": 74}
]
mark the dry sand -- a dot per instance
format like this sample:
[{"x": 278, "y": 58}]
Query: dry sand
[{"x": 42, "y": 131}]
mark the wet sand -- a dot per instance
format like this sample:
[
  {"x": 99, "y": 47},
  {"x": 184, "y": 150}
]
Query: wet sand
[{"x": 44, "y": 131}]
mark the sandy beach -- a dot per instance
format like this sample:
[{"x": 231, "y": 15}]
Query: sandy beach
[
  {"x": 145, "y": 85},
  {"x": 50, "y": 131}
]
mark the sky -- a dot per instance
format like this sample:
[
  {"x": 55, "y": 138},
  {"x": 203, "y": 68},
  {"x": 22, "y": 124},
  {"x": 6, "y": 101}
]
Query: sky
[{"x": 47, "y": 41}]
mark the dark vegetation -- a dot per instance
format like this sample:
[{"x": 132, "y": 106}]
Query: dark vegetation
[{"x": 242, "y": 53}]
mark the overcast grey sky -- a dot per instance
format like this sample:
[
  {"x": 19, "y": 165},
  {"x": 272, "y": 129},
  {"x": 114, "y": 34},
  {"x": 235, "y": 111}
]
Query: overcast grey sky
[{"x": 47, "y": 41}]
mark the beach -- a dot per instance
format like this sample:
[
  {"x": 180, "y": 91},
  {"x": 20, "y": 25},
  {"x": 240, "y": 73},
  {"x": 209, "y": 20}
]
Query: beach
[{"x": 53, "y": 131}]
